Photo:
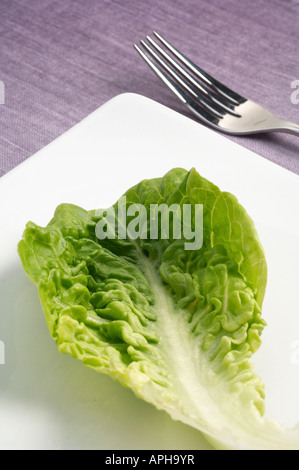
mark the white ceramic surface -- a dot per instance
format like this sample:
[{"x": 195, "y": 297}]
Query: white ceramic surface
[{"x": 51, "y": 401}]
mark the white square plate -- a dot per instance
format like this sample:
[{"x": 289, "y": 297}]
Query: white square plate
[{"x": 51, "y": 401}]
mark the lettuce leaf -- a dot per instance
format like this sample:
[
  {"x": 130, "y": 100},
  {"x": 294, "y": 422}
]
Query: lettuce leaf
[{"x": 176, "y": 326}]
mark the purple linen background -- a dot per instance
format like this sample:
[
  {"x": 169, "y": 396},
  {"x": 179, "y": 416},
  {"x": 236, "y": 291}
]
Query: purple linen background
[{"x": 59, "y": 61}]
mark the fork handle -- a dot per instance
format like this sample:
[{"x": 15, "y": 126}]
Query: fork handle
[{"x": 289, "y": 127}]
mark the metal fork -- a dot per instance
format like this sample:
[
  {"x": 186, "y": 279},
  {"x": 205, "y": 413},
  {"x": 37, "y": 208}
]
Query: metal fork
[{"x": 210, "y": 100}]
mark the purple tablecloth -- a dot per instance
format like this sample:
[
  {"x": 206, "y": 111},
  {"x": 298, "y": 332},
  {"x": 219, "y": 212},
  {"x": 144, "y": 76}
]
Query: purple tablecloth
[{"x": 59, "y": 61}]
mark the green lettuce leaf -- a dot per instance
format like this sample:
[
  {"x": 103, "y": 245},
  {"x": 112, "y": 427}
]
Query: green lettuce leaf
[{"x": 176, "y": 326}]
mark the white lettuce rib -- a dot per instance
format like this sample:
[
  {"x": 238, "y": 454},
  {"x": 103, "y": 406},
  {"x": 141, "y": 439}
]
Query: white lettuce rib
[{"x": 200, "y": 398}]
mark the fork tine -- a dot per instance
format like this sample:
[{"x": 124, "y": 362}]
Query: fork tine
[
  {"x": 204, "y": 91},
  {"x": 196, "y": 95},
  {"x": 169, "y": 70},
  {"x": 162, "y": 75},
  {"x": 177, "y": 66},
  {"x": 226, "y": 92},
  {"x": 197, "y": 109}
]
